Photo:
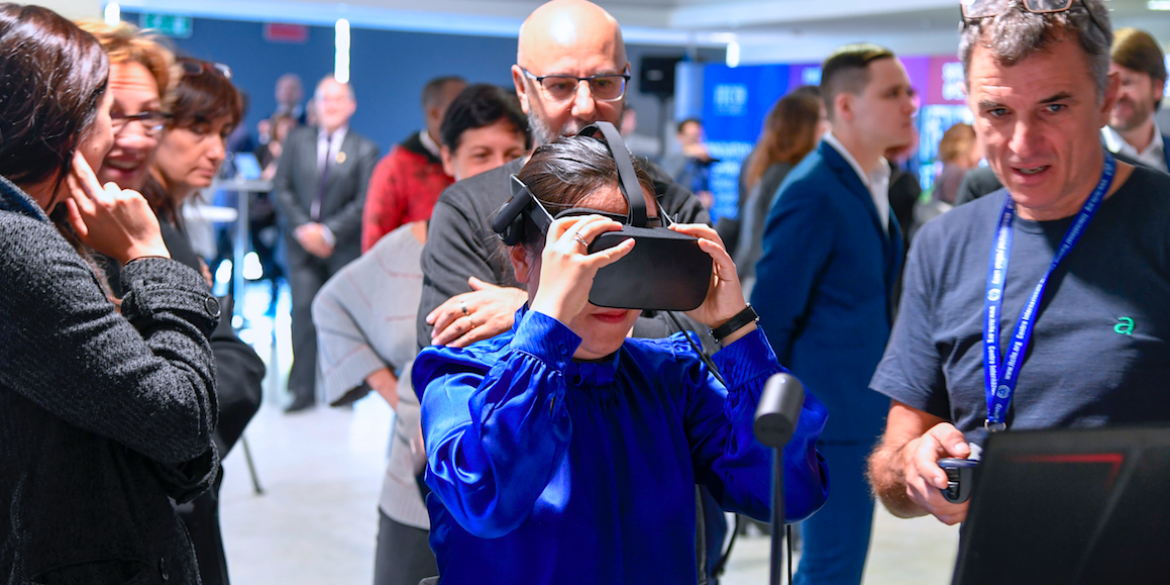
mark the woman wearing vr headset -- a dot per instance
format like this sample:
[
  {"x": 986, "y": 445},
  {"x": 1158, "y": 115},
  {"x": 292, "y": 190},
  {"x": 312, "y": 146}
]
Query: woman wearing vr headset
[{"x": 563, "y": 451}]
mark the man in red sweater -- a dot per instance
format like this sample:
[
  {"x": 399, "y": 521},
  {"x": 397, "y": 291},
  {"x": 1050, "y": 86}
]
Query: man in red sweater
[{"x": 407, "y": 182}]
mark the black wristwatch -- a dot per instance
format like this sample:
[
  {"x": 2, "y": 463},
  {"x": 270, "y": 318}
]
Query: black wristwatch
[{"x": 741, "y": 319}]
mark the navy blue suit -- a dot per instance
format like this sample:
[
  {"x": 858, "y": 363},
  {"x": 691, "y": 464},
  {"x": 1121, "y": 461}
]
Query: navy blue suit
[{"x": 824, "y": 293}]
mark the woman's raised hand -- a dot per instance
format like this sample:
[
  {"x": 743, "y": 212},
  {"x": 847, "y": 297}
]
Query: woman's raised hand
[
  {"x": 113, "y": 221},
  {"x": 724, "y": 297},
  {"x": 567, "y": 269}
]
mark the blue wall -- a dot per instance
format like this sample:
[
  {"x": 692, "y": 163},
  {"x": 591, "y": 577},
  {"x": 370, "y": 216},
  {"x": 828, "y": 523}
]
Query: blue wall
[{"x": 388, "y": 69}]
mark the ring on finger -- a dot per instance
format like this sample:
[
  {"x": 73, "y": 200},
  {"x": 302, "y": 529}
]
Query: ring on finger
[
  {"x": 577, "y": 238},
  {"x": 463, "y": 307}
]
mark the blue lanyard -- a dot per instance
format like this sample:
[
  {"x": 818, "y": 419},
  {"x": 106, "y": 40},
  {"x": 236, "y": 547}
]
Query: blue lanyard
[{"x": 1000, "y": 378}]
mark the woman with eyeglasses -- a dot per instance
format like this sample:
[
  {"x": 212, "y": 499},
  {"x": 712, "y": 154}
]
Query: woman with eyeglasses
[
  {"x": 141, "y": 79},
  {"x": 106, "y": 410},
  {"x": 143, "y": 76},
  {"x": 564, "y": 451}
]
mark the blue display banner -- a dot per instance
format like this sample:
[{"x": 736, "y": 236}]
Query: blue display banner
[{"x": 735, "y": 102}]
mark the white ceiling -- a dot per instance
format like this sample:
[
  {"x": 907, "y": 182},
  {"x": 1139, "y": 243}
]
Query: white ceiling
[{"x": 766, "y": 30}]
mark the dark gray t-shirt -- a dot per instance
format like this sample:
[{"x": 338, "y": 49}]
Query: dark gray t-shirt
[{"x": 1100, "y": 350}]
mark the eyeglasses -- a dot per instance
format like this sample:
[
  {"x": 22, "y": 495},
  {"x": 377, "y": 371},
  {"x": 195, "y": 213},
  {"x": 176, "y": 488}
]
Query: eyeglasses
[
  {"x": 152, "y": 121},
  {"x": 199, "y": 67},
  {"x": 976, "y": 9},
  {"x": 607, "y": 87}
]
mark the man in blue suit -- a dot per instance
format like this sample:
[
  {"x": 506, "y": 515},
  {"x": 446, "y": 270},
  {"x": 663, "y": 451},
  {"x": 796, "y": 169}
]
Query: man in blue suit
[{"x": 824, "y": 289}]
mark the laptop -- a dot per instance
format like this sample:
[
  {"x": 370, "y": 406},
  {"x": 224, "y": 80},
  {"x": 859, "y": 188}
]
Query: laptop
[
  {"x": 1070, "y": 507},
  {"x": 247, "y": 165}
]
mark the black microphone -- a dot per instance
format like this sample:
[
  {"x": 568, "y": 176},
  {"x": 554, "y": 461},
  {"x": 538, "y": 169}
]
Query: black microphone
[
  {"x": 779, "y": 410},
  {"x": 775, "y": 423}
]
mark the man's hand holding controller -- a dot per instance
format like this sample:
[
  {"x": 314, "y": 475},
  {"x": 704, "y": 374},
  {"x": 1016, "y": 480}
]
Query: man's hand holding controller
[{"x": 926, "y": 480}]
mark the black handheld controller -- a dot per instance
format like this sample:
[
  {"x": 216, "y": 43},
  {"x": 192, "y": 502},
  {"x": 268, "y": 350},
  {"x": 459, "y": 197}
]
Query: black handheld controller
[{"x": 960, "y": 473}]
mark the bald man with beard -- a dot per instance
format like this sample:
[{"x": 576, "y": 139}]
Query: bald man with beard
[{"x": 470, "y": 292}]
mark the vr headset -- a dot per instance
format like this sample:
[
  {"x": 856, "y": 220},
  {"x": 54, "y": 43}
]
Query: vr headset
[{"x": 666, "y": 270}]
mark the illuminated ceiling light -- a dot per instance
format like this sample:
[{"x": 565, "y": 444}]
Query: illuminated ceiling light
[
  {"x": 1158, "y": 4},
  {"x": 341, "y": 61},
  {"x": 113, "y": 14},
  {"x": 733, "y": 54}
]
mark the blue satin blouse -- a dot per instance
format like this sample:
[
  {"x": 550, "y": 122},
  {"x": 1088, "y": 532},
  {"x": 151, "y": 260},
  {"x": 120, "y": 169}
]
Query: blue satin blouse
[{"x": 549, "y": 470}]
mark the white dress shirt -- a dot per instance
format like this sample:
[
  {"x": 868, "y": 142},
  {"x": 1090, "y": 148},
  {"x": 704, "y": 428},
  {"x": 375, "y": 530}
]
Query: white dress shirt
[
  {"x": 876, "y": 180},
  {"x": 329, "y": 146},
  {"x": 1154, "y": 155},
  {"x": 429, "y": 144}
]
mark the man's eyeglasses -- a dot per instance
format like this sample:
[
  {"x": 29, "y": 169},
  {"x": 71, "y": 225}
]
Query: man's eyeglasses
[
  {"x": 976, "y": 9},
  {"x": 152, "y": 121},
  {"x": 607, "y": 87},
  {"x": 199, "y": 67}
]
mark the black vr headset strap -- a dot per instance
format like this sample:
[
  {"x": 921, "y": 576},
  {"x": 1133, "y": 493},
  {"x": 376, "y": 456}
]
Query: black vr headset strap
[
  {"x": 629, "y": 184},
  {"x": 509, "y": 220}
]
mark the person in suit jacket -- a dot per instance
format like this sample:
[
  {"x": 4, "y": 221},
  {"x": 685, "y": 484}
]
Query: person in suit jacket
[
  {"x": 320, "y": 187},
  {"x": 824, "y": 288}
]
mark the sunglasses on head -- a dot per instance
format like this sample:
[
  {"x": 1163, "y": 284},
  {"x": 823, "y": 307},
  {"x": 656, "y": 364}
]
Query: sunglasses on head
[
  {"x": 201, "y": 67},
  {"x": 977, "y": 9}
]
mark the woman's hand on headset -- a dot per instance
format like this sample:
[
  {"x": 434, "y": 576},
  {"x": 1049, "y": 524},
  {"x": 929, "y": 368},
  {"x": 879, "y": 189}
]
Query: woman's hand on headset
[
  {"x": 725, "y": 296},
  {"x": 567, "y": 269}
]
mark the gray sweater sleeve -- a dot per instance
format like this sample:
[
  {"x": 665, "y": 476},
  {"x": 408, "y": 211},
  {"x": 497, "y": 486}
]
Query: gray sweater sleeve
[
  {"x": 346, "y": 358},
  {"x": 143, "y": 378}
]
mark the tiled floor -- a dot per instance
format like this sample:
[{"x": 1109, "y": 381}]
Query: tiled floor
[{"x": 321, "y": 472}]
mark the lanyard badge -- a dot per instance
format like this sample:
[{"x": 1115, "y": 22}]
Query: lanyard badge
[{"x": 1002, "y": 373}]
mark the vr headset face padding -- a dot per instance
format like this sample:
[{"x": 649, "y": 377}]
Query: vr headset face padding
[{"x": 666, "y": 270}]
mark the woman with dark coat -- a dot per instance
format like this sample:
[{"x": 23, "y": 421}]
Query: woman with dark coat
[{"x": 106, "y": 411}]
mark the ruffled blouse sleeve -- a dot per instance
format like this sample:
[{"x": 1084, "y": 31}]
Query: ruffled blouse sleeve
[
  {"x": 728, "y": 459},
  {"x": 496, "y": 428}
]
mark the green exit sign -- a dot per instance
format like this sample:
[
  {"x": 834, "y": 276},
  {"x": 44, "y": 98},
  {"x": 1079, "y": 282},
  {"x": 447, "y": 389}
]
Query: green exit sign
[{"x": 168, "y": 24}]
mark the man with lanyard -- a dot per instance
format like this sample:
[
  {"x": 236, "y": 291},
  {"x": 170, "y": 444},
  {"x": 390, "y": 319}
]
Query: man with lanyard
[
  {"x": 1132, "y": 134},
  {"x": 1141, "y": 68},
  {"x": 1069, "y": 325}
]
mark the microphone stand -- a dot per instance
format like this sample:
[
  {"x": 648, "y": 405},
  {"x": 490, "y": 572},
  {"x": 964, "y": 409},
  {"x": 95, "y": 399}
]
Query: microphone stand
[{"x": 775, "y": 423}]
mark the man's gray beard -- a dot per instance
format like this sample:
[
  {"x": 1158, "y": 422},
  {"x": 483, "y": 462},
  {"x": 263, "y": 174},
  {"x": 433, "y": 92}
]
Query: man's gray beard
[
  {"x": 545, "y": 135},
  {"x": 540, "y": 130}
]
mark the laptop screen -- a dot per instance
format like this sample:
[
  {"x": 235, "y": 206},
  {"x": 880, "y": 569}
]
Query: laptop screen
[{"x": 1069, "y": 506}]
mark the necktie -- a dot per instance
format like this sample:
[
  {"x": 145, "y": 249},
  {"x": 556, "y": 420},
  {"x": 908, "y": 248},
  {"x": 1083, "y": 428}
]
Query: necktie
[{"x": 316, "y": 209}]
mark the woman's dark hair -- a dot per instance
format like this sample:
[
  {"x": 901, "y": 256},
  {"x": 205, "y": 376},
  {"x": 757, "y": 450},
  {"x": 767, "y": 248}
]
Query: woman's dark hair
[
  {"x": 52, "y": 78},
  {"x": 478, "y": 106},
  {"x": 563, "y": 173},
  {"x": 204, "y": 95}
]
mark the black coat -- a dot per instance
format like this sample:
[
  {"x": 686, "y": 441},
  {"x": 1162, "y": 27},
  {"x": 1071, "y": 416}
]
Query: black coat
[{"x": 104, "y": 415}]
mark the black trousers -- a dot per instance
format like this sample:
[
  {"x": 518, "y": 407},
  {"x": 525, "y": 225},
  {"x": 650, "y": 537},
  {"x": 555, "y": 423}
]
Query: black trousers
[
  {"x": 404, "y": 554},
  {"x": 307, "y": 274}
]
